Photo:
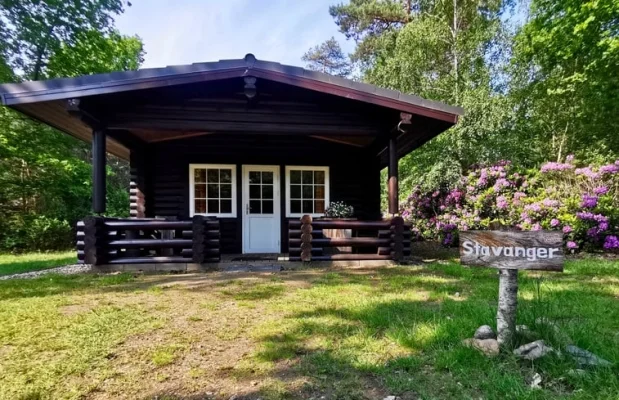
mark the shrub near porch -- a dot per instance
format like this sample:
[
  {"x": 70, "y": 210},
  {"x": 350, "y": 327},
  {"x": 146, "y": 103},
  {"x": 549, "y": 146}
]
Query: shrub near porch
[
  {"x": 351, "y": 334},
  {"x": 582, "y": 201}
]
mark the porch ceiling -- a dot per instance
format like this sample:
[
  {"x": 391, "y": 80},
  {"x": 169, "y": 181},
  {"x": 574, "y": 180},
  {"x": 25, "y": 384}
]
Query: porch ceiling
[{"x": 172, "y": 103}]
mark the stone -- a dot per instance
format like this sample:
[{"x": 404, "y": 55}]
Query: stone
[
  {"x": 586, "y": 358},
  {"x": 489, "y": 347},
  {"x": 533, "y": 350},
  {"x": 484, "y": 332},
  {"x": 391, "y": 398},
  {"x": 536, "y": 380},
  {"x": 525, "y": 332}
]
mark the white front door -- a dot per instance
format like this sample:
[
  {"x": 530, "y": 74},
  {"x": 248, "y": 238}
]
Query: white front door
[{"x": 261, "y": 209}]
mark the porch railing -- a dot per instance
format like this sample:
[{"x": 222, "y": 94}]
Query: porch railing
[
  {"x": 138, "y": 241},
  {"x": 370, "y": 240}
]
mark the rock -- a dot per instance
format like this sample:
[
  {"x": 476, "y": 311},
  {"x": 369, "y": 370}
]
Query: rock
[
  {"x": 490, "y": 347},
  {"x": 525, "y": 332},
  {"x": 535, "y": 381},
  {"x": 533, "y": 350},
  {"x": 484, "y": 332},
  {"x": 391, "y": 398},
  {"x": 586, "y": 358}
]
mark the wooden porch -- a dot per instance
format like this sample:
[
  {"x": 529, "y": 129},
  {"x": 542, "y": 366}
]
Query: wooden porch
[{"x": 158, "y": 244}]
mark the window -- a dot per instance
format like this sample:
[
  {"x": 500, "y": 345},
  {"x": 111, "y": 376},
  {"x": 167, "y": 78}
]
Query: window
[
  {"x": 307, "y": 191},
  {"x": 212, "y": 190}
]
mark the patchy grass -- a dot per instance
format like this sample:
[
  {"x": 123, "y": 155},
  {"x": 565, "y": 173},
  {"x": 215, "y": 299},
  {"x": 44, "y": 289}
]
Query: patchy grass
[
  {"x": 339, "y": 333},
  {"x": 16, "y": 264}
]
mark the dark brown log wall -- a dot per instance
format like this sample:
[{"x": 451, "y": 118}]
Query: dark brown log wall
[{"x": 354, "y": 174}]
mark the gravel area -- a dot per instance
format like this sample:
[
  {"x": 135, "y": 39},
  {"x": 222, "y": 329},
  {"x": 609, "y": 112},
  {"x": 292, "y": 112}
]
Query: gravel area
[{"x": 65, "y": 270}]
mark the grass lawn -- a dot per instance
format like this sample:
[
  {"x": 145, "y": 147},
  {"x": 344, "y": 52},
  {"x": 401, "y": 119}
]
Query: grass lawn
[
  {"x": 16, "y": 264},
  {"x": 341, "y": 334}
]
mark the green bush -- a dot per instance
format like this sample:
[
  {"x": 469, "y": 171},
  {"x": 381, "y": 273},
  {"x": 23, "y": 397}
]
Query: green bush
[{"x": 35, "y": 232}]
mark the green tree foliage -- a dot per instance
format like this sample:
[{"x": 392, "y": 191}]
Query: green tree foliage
[
  {"x": 328, "y": 57},
  {"x": 566, "y": 80},
  {"x": 45, "y": 175},
  {"x": 444, "y": 50},
  {"x": 533, "y": 87}
]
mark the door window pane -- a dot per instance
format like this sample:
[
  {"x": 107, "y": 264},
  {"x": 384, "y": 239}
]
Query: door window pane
[
  {"x": 267, "y": 177},
  {"x": 254, "y": 191},
  {"x": 254, "y": 207},
  {"x": 267, "y": 206},
  {"x": 254, "y": 177},
  {"x": 267, "y": 191}
]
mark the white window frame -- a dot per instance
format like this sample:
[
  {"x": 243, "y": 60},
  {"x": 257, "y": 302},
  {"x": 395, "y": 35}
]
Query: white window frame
[
  {"x": 306, "y": 168},
  {"x": 192, "y": 202}
]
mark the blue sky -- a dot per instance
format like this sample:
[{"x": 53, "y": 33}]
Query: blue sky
[{"x": 188, "y": 31}]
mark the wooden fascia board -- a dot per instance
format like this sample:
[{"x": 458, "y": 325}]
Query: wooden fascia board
[{"x": 203, "y": 76}]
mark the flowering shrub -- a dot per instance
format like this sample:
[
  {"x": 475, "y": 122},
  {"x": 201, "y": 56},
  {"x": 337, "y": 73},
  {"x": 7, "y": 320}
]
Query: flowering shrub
[
  {"x": 339, "y": 209},
  {"x": 582, "y": 202}
]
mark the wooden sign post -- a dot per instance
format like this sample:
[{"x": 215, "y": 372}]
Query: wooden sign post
[{"x": 510, "y": 251}]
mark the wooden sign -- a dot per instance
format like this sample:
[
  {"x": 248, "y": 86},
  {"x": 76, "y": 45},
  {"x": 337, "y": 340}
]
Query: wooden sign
[{"x": 540, "y": 250}]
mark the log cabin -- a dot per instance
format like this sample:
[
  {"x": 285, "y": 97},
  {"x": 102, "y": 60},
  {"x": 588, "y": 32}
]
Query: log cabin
[{"x": 238, "y": 158}]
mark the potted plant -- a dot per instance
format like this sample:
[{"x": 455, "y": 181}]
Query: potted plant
[{"x": 339, "y": 210}]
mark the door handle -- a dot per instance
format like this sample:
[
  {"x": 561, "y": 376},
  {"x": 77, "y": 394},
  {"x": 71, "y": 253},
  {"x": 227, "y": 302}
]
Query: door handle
[{"x": 247, "y": 208}]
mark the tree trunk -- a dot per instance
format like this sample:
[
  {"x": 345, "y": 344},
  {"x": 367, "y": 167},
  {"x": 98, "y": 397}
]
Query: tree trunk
[{"x": 508, "y": 301}]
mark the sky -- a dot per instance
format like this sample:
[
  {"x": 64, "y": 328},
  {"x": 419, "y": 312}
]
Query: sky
[{"x": 188, "y": 31}]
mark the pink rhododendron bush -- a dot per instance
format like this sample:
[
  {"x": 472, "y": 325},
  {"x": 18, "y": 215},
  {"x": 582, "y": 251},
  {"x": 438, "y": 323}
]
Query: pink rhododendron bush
[{"x": 580, "y": 201}]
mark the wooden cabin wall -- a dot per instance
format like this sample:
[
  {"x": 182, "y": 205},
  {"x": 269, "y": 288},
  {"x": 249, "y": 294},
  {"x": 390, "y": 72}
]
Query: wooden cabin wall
[{"x": 354, "y": 174}]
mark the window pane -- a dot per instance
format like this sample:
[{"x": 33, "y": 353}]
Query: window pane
[
  {"x": 267, "y": 177},
  {"x": 319, "y": 192},
  {"x": 308, "y": 177},
  {"x": 319, "y": 206},
  {"x": 254, "y": 191},
  {"x": 212, "y": 175},
  {"x": 225, "y": 175},
  {"x": 226, "y": 206},
  {"x": 267, "y": 191},
  {"x": 213, "y": 191},
  {"x": 295, "y": 191},
  {"x": 295, "y": 176},
  {"x": 200, "y": 206},
  {"x": 225, "y": 191},
  {"x": 200, "y": 191},
  {"x": 295, "y": 206},
  {"x": 254, "y": 177},
  {"x": 199, "y": 175},
  {"x": 308, "y": 206},
  {"x": 319, "y": 177},
  {"x": 308, "y": 192},
  {"x": 254, "y": 207},
  {"x": 267, "y": 206},
  {"x": 212, "y": 206}
]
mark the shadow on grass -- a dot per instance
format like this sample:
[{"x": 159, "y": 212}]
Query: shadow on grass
[{"x": 16, "y": 264}]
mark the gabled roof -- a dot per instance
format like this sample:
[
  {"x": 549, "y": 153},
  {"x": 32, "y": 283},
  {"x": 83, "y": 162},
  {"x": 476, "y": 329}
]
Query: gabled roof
[{"x": 15, "y": 94}]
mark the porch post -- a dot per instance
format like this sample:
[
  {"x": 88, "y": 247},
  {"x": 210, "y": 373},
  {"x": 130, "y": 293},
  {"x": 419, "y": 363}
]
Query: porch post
[
  {"x": 98, "y": 171},
  {"x": 393, "y": 192}
]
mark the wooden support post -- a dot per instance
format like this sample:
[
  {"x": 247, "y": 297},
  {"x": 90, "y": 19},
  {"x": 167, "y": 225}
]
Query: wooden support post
[
  {"x": 508, "y": 303},
  {"x": 95, "y": 240},
  {"x": 98, "y": 171},
  {"x": 137, "y": 186},
  {"x": 397, "y": 237},
  {"x": 393, "y": 191},
  {"x": 200, "y": 236},
  {"x": 306, "y": 238}
]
